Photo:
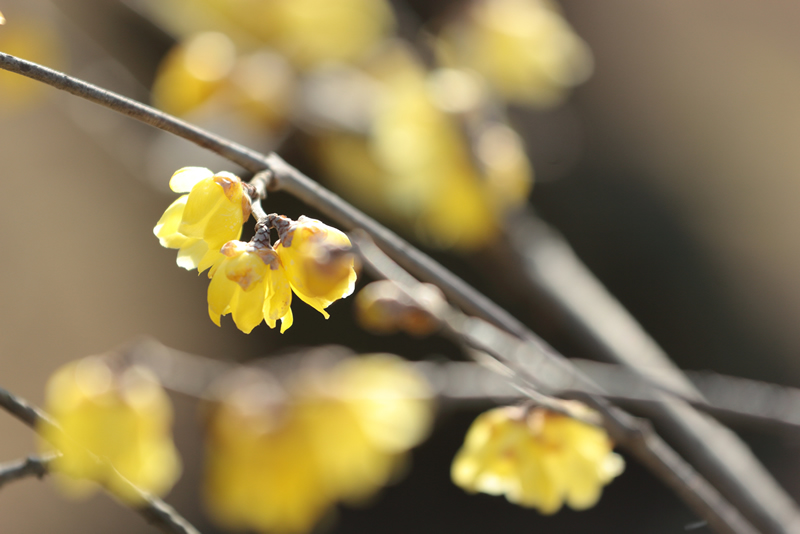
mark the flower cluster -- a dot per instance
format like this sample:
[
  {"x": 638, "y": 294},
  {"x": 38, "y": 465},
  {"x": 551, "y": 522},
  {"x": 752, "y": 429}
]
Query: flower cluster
[
  {"x": 121, "y": 415},
  {"x": 536, "y": 458},
  {"x": 279, "y": 459},
  {"x": 253, "y": 281}
]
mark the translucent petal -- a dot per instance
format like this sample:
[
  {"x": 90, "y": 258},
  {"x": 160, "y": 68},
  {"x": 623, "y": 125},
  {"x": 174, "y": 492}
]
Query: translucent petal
[
  {"x": 191, "y": 253},
  {"x": 186, "y": 178},
  {"x": 318, "y": 304},
  {"x": 287, "y": 321},
  {"x": 248, "y": 312},
  {"x": 167, "y": 227},
  {"x": 209, "y": 259},
  {"x": 278, "y": 304},
  {"x": 205, "y": 199},
  {"x": 220, "y": 291}
]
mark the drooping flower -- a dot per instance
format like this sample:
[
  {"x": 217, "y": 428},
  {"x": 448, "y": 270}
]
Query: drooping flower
[
  {"x": 279, "y": 459},
  {"x": 536, "y": 458},
  {"x": 317, "y": 260},
  {"x": 121, "y": 415},
  {"x": 249, "y": 282},
  {"x": 200, "y": 222}
]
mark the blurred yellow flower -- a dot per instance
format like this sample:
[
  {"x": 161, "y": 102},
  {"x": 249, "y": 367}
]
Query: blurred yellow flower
[
  {"x": 203, "y": 74},
  {"x": 198, "y": 224},
  {"x": 417, "y": 165},
  {"x": 192, "y": 71},
  {"x": 536, "y": 458},
  {"x": 318, "y": 262},
  {"x": 32, "y": 39},
  {"x": 524, "y": 48},
  {"x": 313, "y": 31},
  {"x": 383, "y": 308},
  {"x": 249, "y": 282},
  {"x": 278, "y": 461},
  {"x": 121, "y": 415}
]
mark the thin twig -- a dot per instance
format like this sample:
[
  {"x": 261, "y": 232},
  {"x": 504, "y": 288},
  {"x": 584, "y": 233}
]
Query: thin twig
[
  {"x": 32, "y": 466},
  {"x": 528, "y": 365},
  {"x": 593, "y": 316},
  {"x": 154, "y": 510},
  {"x": 286, "y": 178},
  {"x": 289, "y": 179}
]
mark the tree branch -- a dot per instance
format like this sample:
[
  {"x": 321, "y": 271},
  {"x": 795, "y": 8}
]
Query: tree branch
[
  {"x": 32, "y": 466},
  {"x": 154, "y": 510},
  {"x": 291, "y": 180},
  {"x": 539, "y": 373}
]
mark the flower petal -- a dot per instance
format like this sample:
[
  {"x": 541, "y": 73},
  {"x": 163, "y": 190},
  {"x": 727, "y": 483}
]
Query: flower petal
[
  {"x": 204, "y": 200},
  {"x": 191, "y": 253},
  {"x": 248, "y": 310},
  {"x": 186, "y": 178},
  {"x": 167, "y": 227},
  {"x": 220, "y": 292},
  {"x": 278, "y": 304}
]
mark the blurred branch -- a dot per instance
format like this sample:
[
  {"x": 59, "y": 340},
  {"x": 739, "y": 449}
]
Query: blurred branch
[
  {"x": 154, "y": 510},
  {"x": 594, "y": 317},
  {"x": 32, "y": 466},
  {"x": 289, "y": 179},
  {"x": 533, "y": 370}
]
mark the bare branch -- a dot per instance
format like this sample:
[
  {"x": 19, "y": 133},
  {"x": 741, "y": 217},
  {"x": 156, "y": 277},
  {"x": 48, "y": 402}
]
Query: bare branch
[
  {"x": 533, "y": 369},
  {"x": 289, "y": 179},
  {"x": 154, "y": 510},
  {"x": 595, "y": 317},
  {"x": 32, "y": 466}
]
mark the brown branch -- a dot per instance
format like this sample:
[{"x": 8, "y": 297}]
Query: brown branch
[
  {"x": 154, "y": 510},
  {"x": 289, "y": 179},
  {"x": 535, "y": 370},
  {"x": 594, "y": 317},
  {"x": 32, "y": 466}
]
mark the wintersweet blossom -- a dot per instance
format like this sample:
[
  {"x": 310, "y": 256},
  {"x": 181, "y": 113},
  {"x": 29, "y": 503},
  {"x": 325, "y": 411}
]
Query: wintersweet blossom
[
  {"x": 249, "y": 282},
  {"x": 120, "y": 415},
  {"x": 536, "y": 458},
  {"x": 317, "y": 260},
  {"x": 200, "y": 222},
  {"x": 278, "y": 459}
]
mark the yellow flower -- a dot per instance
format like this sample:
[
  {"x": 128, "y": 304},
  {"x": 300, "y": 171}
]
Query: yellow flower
[
  {"x": 537, "y": 459},
  {"x": 249, "y": 282},
  {"x": 261, "y": 472},
  {"x": 277, "y": 462},
  {"x": 198, "y": 224},
  {"x": 524, "y": 48},
  {"x": 317, "y": 262},
  {"x": 122, "y": 416}
]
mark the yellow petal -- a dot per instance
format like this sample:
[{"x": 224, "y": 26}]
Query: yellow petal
[
  {"x": 191, "y": 253},
  {"x": 167, "y": 227},
  {"x": 206, "y": 197},
  {"x": 277, "y": 305},
  {"x": 186, "y": 178},
  {"x": 287, "y": 321},
  {"x": 248, "y": 307},
  {"x": 220, "y": 291}
]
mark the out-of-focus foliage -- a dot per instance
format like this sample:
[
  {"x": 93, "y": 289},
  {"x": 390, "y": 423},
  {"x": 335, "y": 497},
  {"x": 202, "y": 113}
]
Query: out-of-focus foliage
[
  {"x": 536, "y": 458},
  {"x": 119, "y": 414},
  {"x": 280, "y": 457}
]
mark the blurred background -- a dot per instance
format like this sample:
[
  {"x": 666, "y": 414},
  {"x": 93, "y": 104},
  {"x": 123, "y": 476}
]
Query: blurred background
[{"x": 659, "y": 138}]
